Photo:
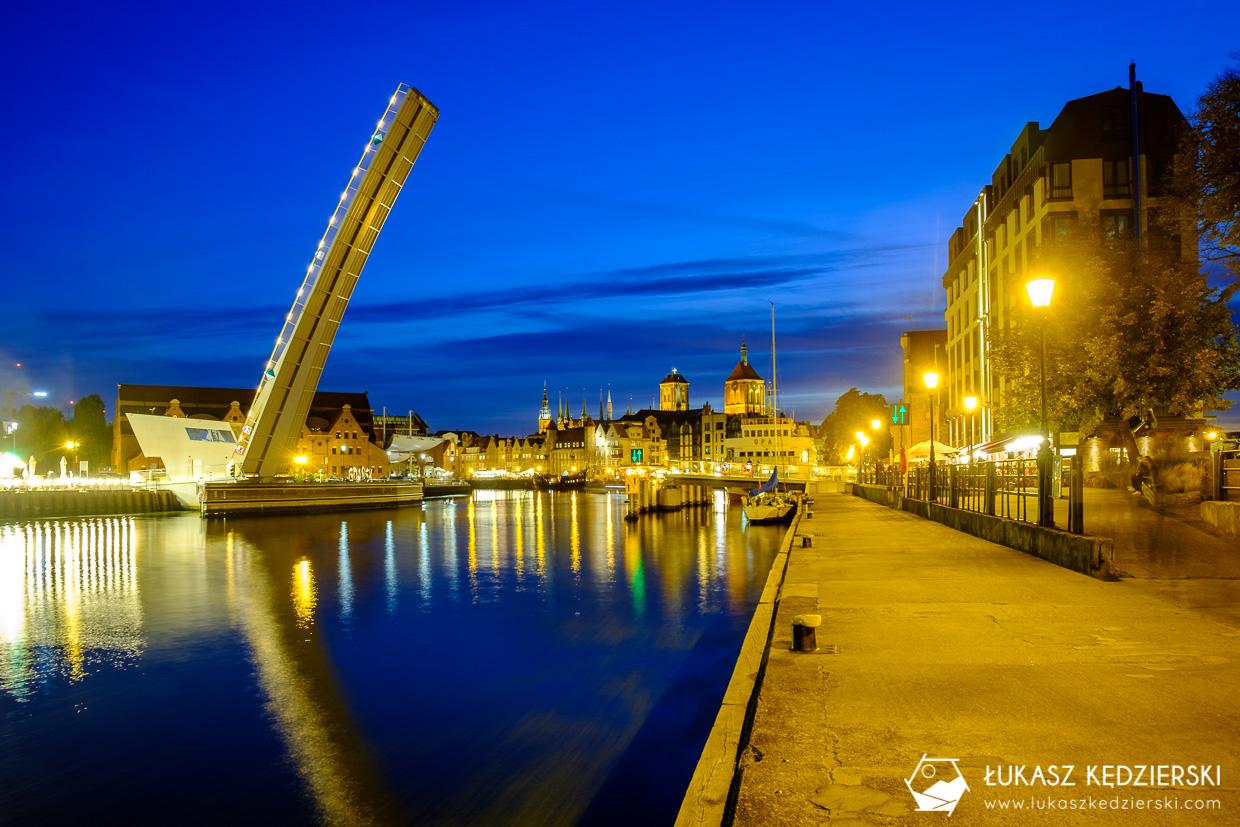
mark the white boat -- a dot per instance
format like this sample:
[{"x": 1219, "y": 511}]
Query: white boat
[{"x": 768, "y": 504}]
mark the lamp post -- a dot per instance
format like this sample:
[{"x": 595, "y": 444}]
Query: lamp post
[
  {"x": 1040, "y": 291},
  {"x": 73, "y": 446},
  {"x": 876, "y": 424},
  {"x": 970, "y": 405},
  {"x": 931, "y": 379},
  {"x": 864, "y": 441}
]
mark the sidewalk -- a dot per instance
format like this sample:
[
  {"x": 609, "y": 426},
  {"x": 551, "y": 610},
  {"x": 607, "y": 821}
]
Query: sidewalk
[{"x": 954, "y": 647}]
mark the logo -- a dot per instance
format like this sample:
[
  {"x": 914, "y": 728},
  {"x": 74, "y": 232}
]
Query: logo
[{"x": 936, "y": 785}]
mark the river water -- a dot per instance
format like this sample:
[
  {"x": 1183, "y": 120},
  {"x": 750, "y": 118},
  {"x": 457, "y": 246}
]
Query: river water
[{"x": 515, "y": 658}]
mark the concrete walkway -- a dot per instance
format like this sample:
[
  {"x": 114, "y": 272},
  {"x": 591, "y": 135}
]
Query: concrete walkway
[{"x": 937, "y": 643}]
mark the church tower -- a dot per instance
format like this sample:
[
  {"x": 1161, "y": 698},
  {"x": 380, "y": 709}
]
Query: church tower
[
  {"x": 744, "y": 391},
  {"x": 674, "y": 392},
  {"x": 544, "y": 416}
]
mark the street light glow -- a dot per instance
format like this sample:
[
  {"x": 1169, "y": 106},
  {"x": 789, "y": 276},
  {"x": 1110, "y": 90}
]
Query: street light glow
[
  {"x": 1040, "y": 291},
  {"x": 876, "y": 424},
  {"x": 970, "y": 402},
  {"x": 932, "y": 380}
]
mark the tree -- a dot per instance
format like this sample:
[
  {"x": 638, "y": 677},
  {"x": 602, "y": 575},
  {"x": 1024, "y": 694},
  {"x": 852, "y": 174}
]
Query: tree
[
  {"x": 1132, "y": 326},
  {"x": 1206, "y": 178},
  {"x": 90, "y": 428},
  {"x": 854, "y": 411},
  {"x": 40, "y": 432}
]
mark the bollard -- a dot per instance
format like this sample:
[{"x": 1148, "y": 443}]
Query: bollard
[{"x": 803, "y": 632}]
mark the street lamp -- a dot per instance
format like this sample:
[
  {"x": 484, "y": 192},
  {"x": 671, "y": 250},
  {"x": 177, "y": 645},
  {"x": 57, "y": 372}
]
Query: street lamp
[
  {"x": 1040, "y": 291},
  {"x": 931, "y": 378},
  {"x": 970, "y": 405},
  {"x": 73, "y": 446}
]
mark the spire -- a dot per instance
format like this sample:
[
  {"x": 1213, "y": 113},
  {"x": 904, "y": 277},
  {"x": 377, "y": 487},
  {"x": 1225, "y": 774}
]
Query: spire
[
  {"x": 744, "y": 350},
  {"x": 544, "y": 415},
  {"x": 583, "y": 406},
  {"x": 600, "y": 404},
  {"x": 609, "y": 403}
]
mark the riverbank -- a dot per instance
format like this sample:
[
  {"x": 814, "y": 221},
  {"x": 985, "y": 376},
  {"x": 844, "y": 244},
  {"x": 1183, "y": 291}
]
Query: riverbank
[{"x": 936, "y": 643}]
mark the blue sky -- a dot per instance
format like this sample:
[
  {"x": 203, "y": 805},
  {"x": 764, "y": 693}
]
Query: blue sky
[{"x": 610, "y": 192}]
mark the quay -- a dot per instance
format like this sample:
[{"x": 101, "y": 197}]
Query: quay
[
  {"x": 936, "y": 643},
  {"x": 72, "y": 502},
  {"x": 248, "y": 497}
]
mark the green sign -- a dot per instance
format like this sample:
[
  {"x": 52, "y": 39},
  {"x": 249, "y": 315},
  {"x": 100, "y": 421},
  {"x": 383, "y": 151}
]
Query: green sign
[{"x": 898, "y": 413}]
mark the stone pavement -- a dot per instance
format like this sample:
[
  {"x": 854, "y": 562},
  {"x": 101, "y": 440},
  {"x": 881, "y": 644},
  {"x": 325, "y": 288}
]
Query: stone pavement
[
  {"x": 1176, "y": 555},
  {"x": 937, "y": 643}
]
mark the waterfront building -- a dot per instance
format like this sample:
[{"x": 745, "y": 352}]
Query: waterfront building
[
  {"x": 765, "y": 442},
  {"x": 1104, "y": 161},
  {"x": 338, "y": 437}
]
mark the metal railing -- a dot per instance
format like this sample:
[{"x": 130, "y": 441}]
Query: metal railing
[{"x": 1000, "y": 488}]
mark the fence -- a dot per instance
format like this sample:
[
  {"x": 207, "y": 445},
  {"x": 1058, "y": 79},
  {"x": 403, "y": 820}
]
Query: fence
[{"x": 1001, "y": 488}]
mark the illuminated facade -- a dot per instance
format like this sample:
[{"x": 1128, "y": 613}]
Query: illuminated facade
[
  {"x": 674, "y": 392},
  {"x": 338, "y": 437},
  {"x": 744, "y": 391},
  {"x": 1084, "y": 168}
]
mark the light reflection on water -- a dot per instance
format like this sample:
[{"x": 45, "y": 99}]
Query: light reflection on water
[{"x": 513, "y": 658}]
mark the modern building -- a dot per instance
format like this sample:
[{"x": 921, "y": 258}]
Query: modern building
[
  {"x": 338, "y": 438},
  {"x": 1105, "y": 161}
]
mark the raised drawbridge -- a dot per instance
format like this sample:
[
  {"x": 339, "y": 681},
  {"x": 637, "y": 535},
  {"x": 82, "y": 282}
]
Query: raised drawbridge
[{"x": 291, "y": 376}]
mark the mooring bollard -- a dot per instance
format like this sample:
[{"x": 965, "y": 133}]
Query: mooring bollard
[{"x": 803, "y": 632}]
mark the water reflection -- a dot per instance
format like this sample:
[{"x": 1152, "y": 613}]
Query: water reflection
[
  {"x": 68, "y": 598},
  {"x": 508, "y": 659}
]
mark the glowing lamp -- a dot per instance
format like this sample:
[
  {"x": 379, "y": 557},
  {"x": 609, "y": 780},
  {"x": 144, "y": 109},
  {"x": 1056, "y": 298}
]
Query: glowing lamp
[
  {"x": 1040, "y": 291},
  {"x": 932, "y": 380},
  {"x": 970, "y": 402},
  {"x": 876, "y": 424}
]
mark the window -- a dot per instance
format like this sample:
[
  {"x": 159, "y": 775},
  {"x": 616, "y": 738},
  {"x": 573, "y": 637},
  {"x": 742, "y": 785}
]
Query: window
[
  {"x": 209, "y": 435},
  {"x": 1116, "y": 224},
  {"x": 1056, "y": 226},
  {"x": 1158, "y": 171},
  {"x": 1115, "y": 179},
  {"x": 1115, "y": 122},
  {"x": 1060, "y": 180}
]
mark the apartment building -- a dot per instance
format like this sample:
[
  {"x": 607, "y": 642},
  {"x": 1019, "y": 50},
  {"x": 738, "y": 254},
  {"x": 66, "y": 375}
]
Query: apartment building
[{"x": 1104, "y": 161}]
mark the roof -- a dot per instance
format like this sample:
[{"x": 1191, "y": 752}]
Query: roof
[
  {"x": 216, "y": 402},
  {"x": 674, "y": 377},
  {"x": 743, "y": 370}
]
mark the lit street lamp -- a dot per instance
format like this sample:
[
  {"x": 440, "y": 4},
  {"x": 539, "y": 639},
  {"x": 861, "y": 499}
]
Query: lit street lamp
[
  {"x": 73, "y": 446},
  {"x": 1040, "y": 291},
  {"x": 931, "y": 379}
]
